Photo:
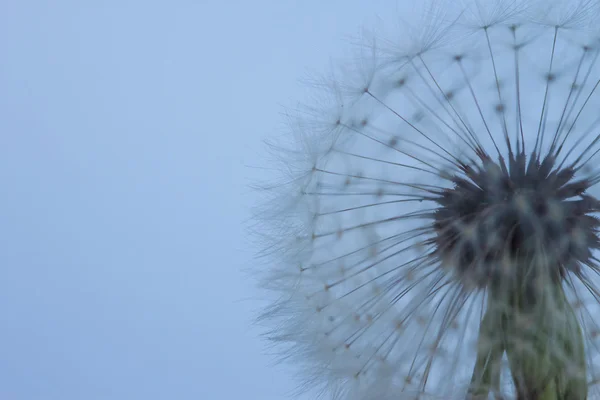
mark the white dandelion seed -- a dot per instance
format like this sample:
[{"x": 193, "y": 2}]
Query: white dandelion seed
[{"x": 434, "y": 233}]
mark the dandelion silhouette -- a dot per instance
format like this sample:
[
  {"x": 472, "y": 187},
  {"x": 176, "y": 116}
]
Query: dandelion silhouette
[{"x": 435, "y": 231}]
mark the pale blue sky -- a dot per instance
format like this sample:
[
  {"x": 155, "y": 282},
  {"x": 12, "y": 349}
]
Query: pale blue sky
[{"x": 126, "y": 129}]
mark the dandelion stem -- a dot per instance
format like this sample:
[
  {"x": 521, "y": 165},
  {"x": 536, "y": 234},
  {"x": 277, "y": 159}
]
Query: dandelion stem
[
  {"x": 538, "y": 329},
  {"x": 486, "y": 374}
]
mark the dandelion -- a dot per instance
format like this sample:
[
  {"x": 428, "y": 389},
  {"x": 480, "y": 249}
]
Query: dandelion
[{"x": 435, "y": 231}]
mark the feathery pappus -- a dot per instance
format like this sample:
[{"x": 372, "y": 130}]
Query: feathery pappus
[{"x": 434, "y": 231}]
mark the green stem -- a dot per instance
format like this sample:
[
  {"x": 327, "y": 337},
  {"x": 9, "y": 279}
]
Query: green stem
[
  {"x": 543, "y": 342},
  {"x": 490, "y": 348}
]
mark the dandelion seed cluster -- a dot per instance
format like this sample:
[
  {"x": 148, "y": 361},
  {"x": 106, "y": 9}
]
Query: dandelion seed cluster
[
  {"x": 499, "y": 214},
  {"x": 449, "y": 166}
]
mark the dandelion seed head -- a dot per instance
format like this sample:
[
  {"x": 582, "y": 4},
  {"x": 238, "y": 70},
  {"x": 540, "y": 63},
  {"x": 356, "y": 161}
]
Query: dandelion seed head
[{"x": 451, "y": 170}]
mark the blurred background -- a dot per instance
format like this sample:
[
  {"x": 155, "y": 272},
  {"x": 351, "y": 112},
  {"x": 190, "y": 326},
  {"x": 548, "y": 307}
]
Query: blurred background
[{"x": 128, "y": 133}]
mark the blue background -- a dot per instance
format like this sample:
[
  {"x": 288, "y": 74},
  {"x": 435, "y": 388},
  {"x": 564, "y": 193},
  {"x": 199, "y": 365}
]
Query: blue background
[{"x": 128, "y": 130}]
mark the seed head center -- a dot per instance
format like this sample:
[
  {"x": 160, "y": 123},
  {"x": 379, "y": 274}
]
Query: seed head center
[{"x": 531, "y": 213}]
